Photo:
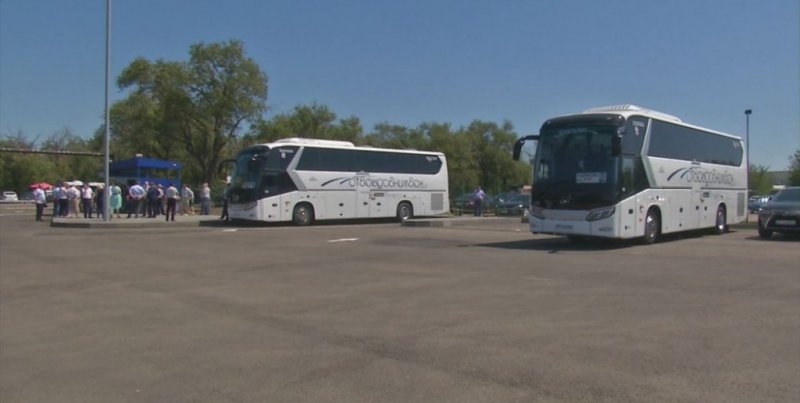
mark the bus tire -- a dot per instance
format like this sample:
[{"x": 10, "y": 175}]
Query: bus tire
[
  {"x": 303, "y": 214},
  {"x": 721, "y": 226},
  {"x": 404, "y": 211},
  {"x": 652, "y": 227}
]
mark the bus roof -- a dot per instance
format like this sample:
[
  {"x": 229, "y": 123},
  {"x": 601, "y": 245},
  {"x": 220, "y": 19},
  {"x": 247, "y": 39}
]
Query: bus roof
[
  {"x": 302, "y": 141},
  {"x": 316, "y": 142},
  {"x": 633, "y": 109},
  {"x": 628, "y": 110}
]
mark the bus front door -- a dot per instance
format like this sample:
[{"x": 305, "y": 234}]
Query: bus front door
[
  {"x": 363, "y": 202},
  {"x": 377, "y": 205}
]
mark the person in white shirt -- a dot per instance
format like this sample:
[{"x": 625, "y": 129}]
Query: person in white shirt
[
  {"x": 41, "y": 202},
  {"x": 187, "y": 198},
  {"x": 205, "y": 199},
  {"x": 86, "y": 200},
  {"x": 63, "y": 200},
  {"x": 171, "y": 194},
  {"x": 74, "y": 195},
  {"x": 135, "y": 195}
]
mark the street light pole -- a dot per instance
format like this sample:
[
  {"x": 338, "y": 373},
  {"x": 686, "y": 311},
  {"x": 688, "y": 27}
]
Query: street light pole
[
  {"x": 747, "y": 113},
  {"x": 107, "y": 190}
]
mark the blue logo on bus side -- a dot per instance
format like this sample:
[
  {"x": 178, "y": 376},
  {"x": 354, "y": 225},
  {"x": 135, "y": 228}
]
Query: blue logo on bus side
[
  {"x": 378, "y": 183},
  {"x": 701, "y": 175}
]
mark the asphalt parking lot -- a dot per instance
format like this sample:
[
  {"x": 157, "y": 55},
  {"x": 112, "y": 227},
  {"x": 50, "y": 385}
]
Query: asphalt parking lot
[{"x": 482, "y": 311}]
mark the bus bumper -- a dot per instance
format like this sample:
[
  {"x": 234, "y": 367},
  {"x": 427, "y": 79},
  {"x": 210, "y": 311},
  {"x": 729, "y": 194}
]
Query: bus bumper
[{"x": 601, "y": 228}]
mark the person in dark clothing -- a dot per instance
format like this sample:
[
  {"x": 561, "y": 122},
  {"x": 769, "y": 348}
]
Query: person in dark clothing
[
  {"x": 172, "y": 197},
  {"x": 100, "y": 198},
  {"x": 225, "y": 196},
  {"x": 477, "y": 198},
  {"x": 152, "y": 201}
]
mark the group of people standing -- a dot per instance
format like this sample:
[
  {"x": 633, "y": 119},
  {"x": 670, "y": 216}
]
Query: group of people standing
[
  {"x": 70, "y": 199},
  {"x": 152, "y": 200}
]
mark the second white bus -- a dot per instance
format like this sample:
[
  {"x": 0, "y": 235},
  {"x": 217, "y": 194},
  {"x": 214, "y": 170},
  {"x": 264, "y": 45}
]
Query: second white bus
[
  {"x": 626, "y": 172},
  {"x": 303, "y": 180}
]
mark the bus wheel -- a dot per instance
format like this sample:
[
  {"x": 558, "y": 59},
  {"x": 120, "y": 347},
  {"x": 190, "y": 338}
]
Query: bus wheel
[
  {"x": 652, "y": 227},
  {"x": 720, "y": 228},
  {"x": 303, "y": 214},
  {"x": 404, "y": 211}
]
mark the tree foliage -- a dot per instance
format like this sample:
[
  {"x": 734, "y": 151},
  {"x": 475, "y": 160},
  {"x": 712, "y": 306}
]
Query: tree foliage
[
  {"x": 759, "y": 179},
  {"x": 479, "y": 154},
  {"x": 18, "y": 170},
  {"x": 190, "y": 111},
  {"x": 794, "y": 169},
  {"x": 311, "y": 121}
]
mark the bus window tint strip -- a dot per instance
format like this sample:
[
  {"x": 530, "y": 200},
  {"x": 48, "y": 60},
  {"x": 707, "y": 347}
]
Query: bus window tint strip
[
  {"x": 684, "y": 143},
  {"x": 330, "y": 159}
]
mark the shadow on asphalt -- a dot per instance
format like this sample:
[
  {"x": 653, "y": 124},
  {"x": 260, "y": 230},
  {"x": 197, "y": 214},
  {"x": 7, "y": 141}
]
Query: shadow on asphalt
[
  {"x": 323, "y": 223},
  {"x": 556, "y": 245},
  {"x": 776, "y": 237}
]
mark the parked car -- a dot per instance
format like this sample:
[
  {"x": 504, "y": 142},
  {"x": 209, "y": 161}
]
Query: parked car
[
  {"x": 755, "y": 203},
  {"x": 9, "y": 196},
  {"x": 463, "y": 201},
  {"x": 512, "y": 204},
  {"x": 466, "y": 203},
  {"x": 781, "y": 214}
]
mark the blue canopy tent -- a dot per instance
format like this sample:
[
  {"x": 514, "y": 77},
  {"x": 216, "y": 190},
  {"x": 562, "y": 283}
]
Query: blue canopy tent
[{"x": 141, "y": 169}]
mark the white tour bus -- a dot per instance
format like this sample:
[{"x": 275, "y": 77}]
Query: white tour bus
[
  {"x": 303, "y": 180},
  {"x": 626, "y": 172}
]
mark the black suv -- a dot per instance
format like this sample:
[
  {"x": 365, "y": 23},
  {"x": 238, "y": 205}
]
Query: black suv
[{"x": 781, "y": 214}]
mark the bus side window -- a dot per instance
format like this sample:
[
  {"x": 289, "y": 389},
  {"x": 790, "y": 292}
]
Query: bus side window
[
  {"x": 277, "y": 182},
  {"x": 269, "y": 180}
]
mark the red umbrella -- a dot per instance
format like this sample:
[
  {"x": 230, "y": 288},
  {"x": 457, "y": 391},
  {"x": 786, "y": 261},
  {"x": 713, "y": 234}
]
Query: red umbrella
[{"x": 40, "y": 185}]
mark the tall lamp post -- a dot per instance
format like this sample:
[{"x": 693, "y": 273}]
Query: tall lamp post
[
  {"x": 107, "y": 190},
  {"x": 747, "y": 113}
]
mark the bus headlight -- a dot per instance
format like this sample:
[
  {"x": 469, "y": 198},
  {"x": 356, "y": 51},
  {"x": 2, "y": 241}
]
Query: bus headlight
[
  {"x": 600, "y": 213},
  {"x": 247, "y": 206},
  {"x": 537, "y": 212}
]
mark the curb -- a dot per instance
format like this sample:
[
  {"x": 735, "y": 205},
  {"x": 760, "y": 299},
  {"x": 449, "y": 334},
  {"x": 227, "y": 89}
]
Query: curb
[{"x": 68, "y": 223}]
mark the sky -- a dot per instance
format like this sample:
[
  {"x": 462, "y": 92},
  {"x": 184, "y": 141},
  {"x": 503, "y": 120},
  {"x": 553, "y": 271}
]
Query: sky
[{"x": 414, "y": 61}]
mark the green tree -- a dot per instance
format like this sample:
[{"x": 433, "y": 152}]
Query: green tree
[
  {"x": 491, "y": 146},
  {"x": 18, "y": 170},
  {"x": 69, "y": 167},
  {"x": 310, "y": 121},
  {"x": 462, "y": 170},
  {"x": 395, "y": 136},
  {"x": 759, "y": 179},
  {"x": 189, "y": 110},
  {"x": 794, "y": 169}
]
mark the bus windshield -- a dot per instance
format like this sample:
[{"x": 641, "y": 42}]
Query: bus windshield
[
  {"x": 248, "y": 167},
  {"x": 261, "y": 172},
  {"x": 575, "y": 168}
]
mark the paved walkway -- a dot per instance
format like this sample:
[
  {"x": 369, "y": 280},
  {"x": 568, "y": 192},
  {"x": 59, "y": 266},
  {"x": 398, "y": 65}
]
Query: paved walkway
[
  {"x": 213, "y": 220},
  {"x": 180, "y": 221}
]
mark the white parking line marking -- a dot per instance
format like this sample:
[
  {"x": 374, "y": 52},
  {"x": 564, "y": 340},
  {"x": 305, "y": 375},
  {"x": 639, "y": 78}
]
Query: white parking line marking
[
  {"x": 229, "y": 230},
  {"x": 343, "y": 240}
]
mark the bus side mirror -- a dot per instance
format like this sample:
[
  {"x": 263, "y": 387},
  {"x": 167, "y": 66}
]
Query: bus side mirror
[
  {"x": 521, "y": 142},
  {"x": 616, "y": 146}
]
